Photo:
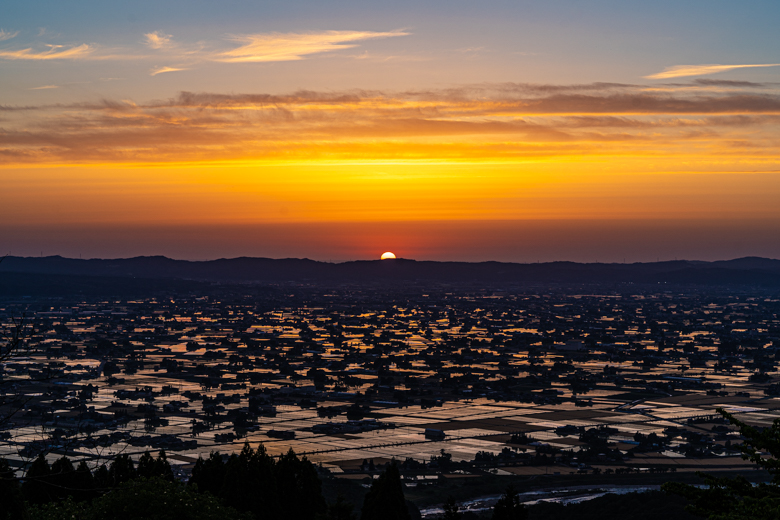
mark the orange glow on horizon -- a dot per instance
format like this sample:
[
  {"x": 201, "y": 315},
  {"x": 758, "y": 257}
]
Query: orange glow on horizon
[
  {"x": 438, "y": 156},
  {"x": 315, "y": 192}
]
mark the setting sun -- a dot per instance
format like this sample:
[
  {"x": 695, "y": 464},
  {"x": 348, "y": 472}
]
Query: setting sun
[
  {"x": 387, "y": 256},
  {"x": 487, "y": 148}
]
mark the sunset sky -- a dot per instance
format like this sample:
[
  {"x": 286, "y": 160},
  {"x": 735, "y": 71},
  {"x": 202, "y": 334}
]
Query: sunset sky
[{"x": 448, "y": 130}]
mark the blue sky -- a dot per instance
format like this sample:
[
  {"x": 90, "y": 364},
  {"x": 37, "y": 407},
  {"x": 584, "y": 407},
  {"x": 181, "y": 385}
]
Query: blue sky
[{"x": 446, "y": 43}]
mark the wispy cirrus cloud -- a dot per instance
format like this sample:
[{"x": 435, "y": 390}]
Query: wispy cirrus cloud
[
  {"x": 157, "y": 40},
  {"x": 679, "y": 71},
  {"x": 253, "y": 48},
  {"x": 162, "y": 70},
  {"x": 55, "y": 52},
  {"x": 45, "y": 87},
  {"x": 7, "y": 35},
  {"x": 78, "y": 52},
  {"x": 295, "y": 46}
]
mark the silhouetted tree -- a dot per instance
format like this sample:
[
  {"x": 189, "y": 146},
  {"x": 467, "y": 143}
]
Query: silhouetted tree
[
  {"x": 121, "y": 470},
  {"x": 35, "y": 488},
  {"x": 209, "y": 474},
  {"x": 300, "y": 489},
  {"x": 83, "y": 482},
  {"x": 385, "y": 500},
  {"x": 451, "y": 509},
  {"x": 11, "y": 500},
  {"x": 102, "y": 478},
  {"x": 163, "y": 467},
  {"x": 148, "y": 467},
  {"x": 252, "y": 481},
  {"x": 61, "y": 478},
  {"x": 509, "y": 507},
  {"x": 249, "y": 483}
]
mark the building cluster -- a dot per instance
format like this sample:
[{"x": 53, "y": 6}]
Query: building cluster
[{"x": 588, "y": 379}]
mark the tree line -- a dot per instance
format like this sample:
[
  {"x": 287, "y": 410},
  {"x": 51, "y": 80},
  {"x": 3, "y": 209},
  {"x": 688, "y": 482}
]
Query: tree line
[{"x": 249, "y": 485}]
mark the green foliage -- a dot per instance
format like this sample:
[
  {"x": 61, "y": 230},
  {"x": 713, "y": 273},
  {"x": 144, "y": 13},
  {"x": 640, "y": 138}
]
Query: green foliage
[
  {"x": 67, "y": 509},
  {"x": 385, "y": 500},
  {"x": 339, "y": 510},
  {"x": 509, "y": 506},
  {"x": 736, "y": 498},
  {"x": 142, "y": 499}
]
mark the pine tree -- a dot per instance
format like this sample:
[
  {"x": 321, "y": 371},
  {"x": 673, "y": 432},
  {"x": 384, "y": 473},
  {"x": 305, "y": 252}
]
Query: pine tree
[
  {"x": 250, "y": 484},
  {"x": 83, "y": 482},
  {"x": 61, "y": 478},
  {"x": 385, "y": 500},
  {"x": 162, "y": 468},
  {"x": 146, "y": 465},
  {"x": 121, "y": 470},
  {"x": 35, "y": 488},
  {"x": 300, "y": 489},
  {"x": 209, "y": 474},
  {"x": 102, "y": 479}
]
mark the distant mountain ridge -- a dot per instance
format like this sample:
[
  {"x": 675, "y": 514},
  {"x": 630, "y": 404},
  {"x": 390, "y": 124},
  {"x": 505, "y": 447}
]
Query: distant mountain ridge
[{"x": 748, "y": 270}]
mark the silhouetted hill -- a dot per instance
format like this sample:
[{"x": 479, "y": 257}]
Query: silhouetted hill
[{"x": 741, "y": 271}]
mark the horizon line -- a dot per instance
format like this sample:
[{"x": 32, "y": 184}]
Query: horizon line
[{"x": 9, "y": 255}]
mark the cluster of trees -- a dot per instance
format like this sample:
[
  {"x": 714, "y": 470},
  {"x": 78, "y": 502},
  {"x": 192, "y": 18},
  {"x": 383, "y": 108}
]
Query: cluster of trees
[
  {"x": 244, "y": 486},
  {"x": 253, "y": 485},
  {"x": 47, "y": 485},
  {"x": 737, "y": 498},
  {"x": 254, "y": 482}
]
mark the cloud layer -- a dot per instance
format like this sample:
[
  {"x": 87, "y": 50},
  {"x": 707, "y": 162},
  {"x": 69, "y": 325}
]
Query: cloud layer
[{"x": 490, "y": 122}]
